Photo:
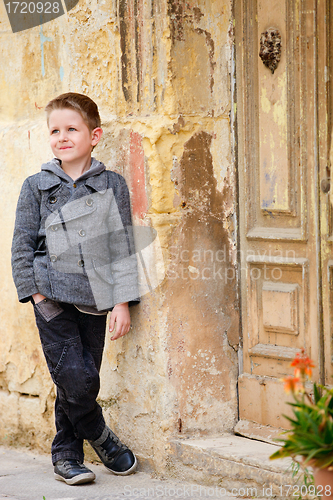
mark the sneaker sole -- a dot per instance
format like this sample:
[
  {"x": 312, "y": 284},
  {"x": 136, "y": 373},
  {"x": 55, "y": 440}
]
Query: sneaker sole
[
  {"x": 126, "y": 472},
  {"x": 79, "y": 479}
]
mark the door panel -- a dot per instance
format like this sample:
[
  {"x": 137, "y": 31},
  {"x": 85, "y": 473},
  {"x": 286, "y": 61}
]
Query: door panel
[
  {"x": 277, "y": 205},
  {"x": 279, "y": 200}
]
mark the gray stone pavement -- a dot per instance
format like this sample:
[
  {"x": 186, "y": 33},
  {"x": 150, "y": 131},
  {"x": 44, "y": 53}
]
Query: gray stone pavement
[{"x": 25, "y": 475}]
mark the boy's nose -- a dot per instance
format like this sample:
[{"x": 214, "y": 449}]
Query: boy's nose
[{"x": 63, "y": 137}]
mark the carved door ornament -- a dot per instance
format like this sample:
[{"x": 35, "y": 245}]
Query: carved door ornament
[{"x": 270, "y": 48}]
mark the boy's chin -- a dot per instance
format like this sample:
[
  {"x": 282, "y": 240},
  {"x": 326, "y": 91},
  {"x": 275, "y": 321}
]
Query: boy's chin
[{"x": 67, "y": 158}]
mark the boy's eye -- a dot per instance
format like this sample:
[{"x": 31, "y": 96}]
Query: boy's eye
[
  {"x": 71, "y": 128},
  {"x": 55, "y": 131}
]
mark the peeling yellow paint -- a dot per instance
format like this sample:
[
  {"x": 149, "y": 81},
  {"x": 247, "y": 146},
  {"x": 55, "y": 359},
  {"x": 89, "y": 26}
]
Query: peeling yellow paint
[
  {"x": 265, "y": 103},
  {"x": 280, "y": 111}
]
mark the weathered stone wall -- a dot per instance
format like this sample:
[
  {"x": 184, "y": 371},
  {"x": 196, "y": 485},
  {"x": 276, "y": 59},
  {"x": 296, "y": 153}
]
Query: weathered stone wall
[{"x": 160, "y": 73}]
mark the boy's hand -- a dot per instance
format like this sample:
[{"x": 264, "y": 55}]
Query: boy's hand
[
  {"x": 38, "y": 297},
  {"x": 120, "y": 315}
]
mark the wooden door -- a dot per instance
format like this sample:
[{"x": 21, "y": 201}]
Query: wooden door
[{"x": 285, "y": 220}]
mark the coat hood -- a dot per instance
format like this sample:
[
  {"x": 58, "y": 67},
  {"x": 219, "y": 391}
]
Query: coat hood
[
  {"x": 54, "y": 166},
  {"x": 52, "y": 174}
]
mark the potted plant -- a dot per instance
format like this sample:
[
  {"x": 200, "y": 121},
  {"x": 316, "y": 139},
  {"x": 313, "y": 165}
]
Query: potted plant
[{"x": 310, "y": 438}]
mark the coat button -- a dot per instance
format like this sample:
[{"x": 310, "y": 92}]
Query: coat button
[
  {"x": 53, "y": 258},
  {"x": 74, "y": 185},
  {"x": 82, "y": 232},
  {"x": 80, "y": 263},
  {"x": 52, "y": 199},
  {"x": 55, "y": 228},
  {"x": 90, "y": 202}
]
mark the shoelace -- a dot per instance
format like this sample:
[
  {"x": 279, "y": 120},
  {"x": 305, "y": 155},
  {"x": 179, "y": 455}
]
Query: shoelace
[
  {"x": 115, "y": 439},
  {"x": 69, "y": 465}
]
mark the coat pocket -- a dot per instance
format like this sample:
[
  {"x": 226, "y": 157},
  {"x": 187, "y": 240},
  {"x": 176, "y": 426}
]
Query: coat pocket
[{"x": 48, "y": 309}]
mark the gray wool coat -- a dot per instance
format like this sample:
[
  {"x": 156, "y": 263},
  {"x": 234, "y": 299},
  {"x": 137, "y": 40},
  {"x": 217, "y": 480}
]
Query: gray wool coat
[{"x": 75, "y": 245}]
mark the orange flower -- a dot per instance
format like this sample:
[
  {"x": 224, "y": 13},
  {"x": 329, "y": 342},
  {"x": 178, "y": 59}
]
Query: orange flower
[
  {"x": 302, "y": 364},
  {"x": 292, "y": 384}
]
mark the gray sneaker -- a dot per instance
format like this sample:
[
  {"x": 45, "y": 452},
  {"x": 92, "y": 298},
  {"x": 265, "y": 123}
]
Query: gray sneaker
[{"x": 72, "y": 472}]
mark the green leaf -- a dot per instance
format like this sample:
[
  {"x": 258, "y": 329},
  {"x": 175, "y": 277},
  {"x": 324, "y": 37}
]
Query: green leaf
[
  {"x": 330, "y": 404},
  {"x": 316, "y": 393}
]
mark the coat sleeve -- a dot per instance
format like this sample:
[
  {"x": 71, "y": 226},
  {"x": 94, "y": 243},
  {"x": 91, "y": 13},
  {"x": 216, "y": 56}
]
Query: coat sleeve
[
  {"x": 122, "y": 246},
  {"x": 25, "y": 242}
]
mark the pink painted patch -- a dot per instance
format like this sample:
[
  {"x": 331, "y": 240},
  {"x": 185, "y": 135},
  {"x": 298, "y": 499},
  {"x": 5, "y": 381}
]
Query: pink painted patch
[{"x": 137, "y": 174}]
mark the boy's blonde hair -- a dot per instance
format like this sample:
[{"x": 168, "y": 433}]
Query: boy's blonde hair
[{"x": 79, "y": 102}]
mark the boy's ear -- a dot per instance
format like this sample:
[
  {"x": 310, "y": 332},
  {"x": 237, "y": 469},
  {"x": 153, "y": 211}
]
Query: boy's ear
[{"x": 96, "y": 135}]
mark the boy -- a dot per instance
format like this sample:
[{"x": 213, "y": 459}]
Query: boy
[{"x": 73, "y": 257}]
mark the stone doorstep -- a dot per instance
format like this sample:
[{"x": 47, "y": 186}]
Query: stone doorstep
[{"x": 230, "y": 461}]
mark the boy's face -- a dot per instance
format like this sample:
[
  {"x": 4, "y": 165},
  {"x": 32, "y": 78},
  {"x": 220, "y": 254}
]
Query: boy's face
[{"x": 70, "y": 139}]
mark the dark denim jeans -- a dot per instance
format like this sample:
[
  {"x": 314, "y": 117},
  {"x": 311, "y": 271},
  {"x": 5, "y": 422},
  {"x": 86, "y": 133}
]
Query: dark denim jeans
[{"x": 73, "y": 345}]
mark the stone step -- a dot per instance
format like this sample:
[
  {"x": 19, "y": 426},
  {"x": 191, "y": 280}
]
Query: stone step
[{"x": 231, "y": 462}]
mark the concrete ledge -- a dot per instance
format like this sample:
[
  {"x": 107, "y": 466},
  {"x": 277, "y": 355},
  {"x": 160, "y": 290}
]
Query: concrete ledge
[
  {"x": 230, "y": 461},
  {"x": 253, "y": 430}
]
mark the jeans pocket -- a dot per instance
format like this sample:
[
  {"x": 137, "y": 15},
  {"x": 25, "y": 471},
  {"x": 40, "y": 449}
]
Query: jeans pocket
[
  {"x": 48, "y": 309},
  {"x": 67, "y": 369}
]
